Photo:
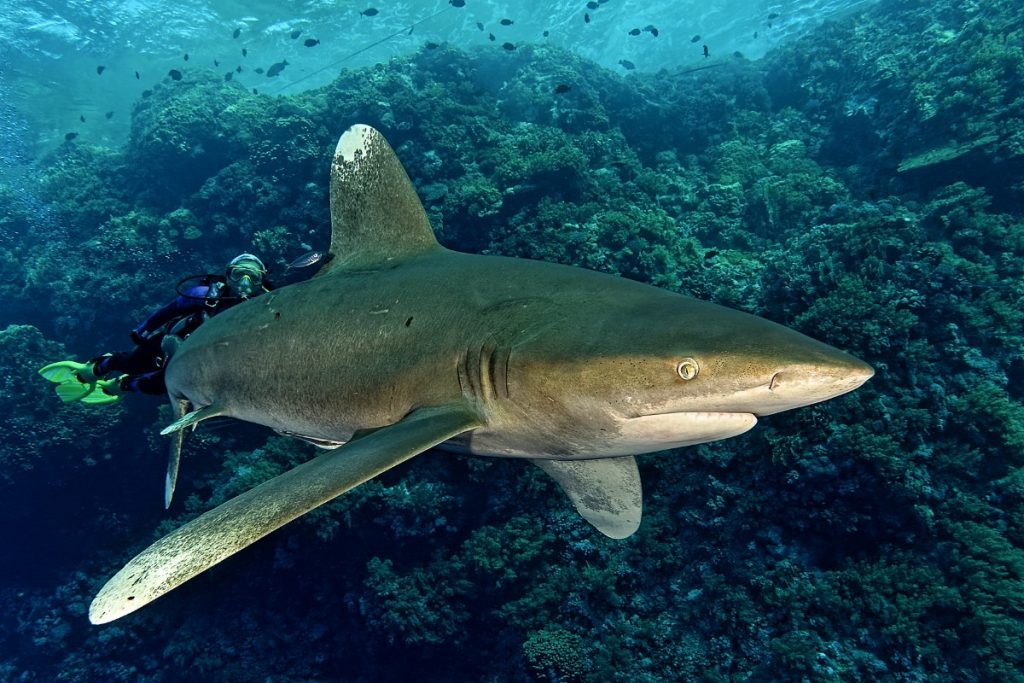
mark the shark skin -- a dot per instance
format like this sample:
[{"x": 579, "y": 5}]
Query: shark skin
[{"x": 399, "y": 345}]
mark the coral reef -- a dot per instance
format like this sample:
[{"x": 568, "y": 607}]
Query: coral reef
[
  {"x": 36, "y": 436},
  {"x": 861, "y": 185}
]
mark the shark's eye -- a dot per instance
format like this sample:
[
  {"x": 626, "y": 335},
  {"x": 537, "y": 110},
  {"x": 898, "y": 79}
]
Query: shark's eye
[{"x": 687, "y": 368}]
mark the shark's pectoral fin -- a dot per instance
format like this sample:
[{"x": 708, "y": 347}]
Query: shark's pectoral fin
[
  {"x": 243, "y": 520},
  {"x": 181, "y": 407},
  {"x": 606, "y": 491},
  {"x": 192, "y": 419}
]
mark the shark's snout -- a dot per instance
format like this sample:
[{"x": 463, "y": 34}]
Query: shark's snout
[{"x": 807, "y": 383}]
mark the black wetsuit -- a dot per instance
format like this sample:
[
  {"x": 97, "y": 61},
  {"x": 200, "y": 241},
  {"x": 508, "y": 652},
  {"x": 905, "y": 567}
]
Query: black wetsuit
[{"x": 144, "y": 364}]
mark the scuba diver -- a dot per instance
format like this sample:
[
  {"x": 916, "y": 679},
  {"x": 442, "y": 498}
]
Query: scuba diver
[{"x": 103, "y": 379}]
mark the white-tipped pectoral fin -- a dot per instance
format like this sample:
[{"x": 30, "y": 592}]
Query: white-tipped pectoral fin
[
  {"x": 607, "y": 491},
  {"x": 241, "y": 521}
]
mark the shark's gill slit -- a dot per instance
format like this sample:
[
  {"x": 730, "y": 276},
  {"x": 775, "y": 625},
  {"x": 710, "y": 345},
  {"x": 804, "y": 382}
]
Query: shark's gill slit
[
  {"x": 471, "y": 378},
  {"x": 506, "y": 354},
  {"x": 771, "y": 383},
  {"x": 492, "y": 366},
  {"x": 460, "y": 370},
  {"x": 483, "y": 363}
]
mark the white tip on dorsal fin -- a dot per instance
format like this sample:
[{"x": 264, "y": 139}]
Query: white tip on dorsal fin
[
  {"x": 376, "y": 216},
  {"x": 606, "y": 491}
]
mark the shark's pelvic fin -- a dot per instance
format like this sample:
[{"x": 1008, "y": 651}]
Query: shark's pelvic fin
[
  {"x": 180, "y": 407},
  {"x": 192, "y": 419},
  {"x": 223, "y": 531},
  {"x": 326, "y": 444},
  {"x": 606, "y": 491},
  {"x": 376, "y": 216}
]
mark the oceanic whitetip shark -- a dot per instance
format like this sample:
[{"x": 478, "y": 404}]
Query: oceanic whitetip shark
[{"x": 398, "y": 345}]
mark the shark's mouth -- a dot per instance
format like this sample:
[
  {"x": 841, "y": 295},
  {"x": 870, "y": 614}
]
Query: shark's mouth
[{"x": 649, "y": 433}]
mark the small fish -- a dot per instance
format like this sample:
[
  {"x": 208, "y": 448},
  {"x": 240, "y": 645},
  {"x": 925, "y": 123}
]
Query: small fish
[
  {"x": 634, "y": 32},
  {"x": 70, "y": 136},
  {"x": 490, "y": 37},
  {"x": 216, "y": 62},
  {"x": 100, "y": 70},
  {"x": 255, "y": 91},
  {"x": 562, "y": 89},
  {"x": 295, "y": 34},
  {"x": 627, "y": 65},
  {"x": 695, "y": 39},
  {"x": 546, "y": 34},
  {"x": 82, "y": 118},
  {"x": 238, "y": 68},
  {"x": 480, "y": 25},
  {"x": 276, "y": 68},
  {"x": 652, "y": 29},
  {"x": 109, "y": 115},
  {"x": 586, "y": 18},
  {"x": 186, "y": 56},
  {"x": 310, "y": 42},
  {"x": 259, "y": 69},
  {"x": 706, "y": 53},
  {"x": 245, "y": 52},
  {"x": 137, "y": 76},
  {"x": 592, "y": 5},
  {"x": 773, "y": 15},
  {"x": 174, "y": 74},
  {"x": 509, "y": 46},
  {"x": 457, "y": 3},
  {"x": 755, "y": 35},
  {"x": 229, "y": 75},
  {"x": 147, "y": 93},
  {"x": 737, "y": 54},
  {"x": 431, "y": 46},
  {"x": 237, "y": 33},
  {"x": 506, "y": 22},
  {"x": 308, "y": 259},
  {"x": 370, "y": 12}
]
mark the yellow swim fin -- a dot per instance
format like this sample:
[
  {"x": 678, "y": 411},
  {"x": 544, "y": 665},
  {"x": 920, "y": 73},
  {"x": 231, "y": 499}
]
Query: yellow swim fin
[{"x": 77, "y": 382}]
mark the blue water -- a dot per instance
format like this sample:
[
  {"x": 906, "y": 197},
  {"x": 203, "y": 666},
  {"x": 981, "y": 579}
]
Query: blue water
[{"x": 52, "y": 48}]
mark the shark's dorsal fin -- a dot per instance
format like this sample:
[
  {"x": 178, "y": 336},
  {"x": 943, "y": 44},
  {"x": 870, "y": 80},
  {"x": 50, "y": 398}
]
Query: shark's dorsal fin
[
  {"x": 606, "y": 491},
  {"x": 376, "y": 216}
]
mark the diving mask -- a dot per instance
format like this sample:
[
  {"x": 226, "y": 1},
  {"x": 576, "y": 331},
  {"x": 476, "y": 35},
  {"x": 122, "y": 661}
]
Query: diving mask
[{"x": 245, "y": 282}]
